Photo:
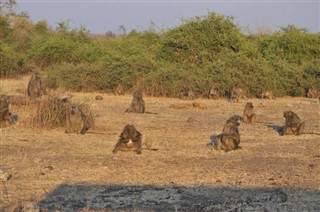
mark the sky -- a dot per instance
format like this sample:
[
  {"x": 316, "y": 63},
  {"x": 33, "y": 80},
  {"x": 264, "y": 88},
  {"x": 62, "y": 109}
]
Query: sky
[{"x": 101, "y": 16}]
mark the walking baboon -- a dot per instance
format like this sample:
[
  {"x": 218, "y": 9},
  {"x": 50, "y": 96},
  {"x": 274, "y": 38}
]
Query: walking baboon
[
  {"x": 137, "y": 105},
  {"x": 267, "y": 94},
  {"x": 237, "y": 93},
  {"x": 213, "y": 93},
  {"x": 187, "y": 93},
  {"x": 128, "y": 133},
  {"x": 76, "y": 120},
  {"x": 119, "y": 90},
  {"x": 35, "y": 87},
  {"x": 5, "y": 116},
  {"x": 249, "y": 115},
  {"x": 293, "y": 124},
  {"x": 313, "y": 93}
]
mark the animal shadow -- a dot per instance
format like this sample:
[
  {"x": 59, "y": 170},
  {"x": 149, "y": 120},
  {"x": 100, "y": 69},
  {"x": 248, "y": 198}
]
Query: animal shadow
[{"x": 278, "y": 129}]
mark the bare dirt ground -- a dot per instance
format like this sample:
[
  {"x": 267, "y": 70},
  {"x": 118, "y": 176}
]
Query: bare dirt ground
[{"x": 70, "y": 172}]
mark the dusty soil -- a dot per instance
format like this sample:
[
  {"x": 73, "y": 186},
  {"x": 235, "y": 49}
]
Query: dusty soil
[{"x": 177, "y": 172}]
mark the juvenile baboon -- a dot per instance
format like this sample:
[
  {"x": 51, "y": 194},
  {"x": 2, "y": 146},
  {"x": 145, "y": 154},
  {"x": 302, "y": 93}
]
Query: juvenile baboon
[
  {"x": 35, "y": 87},
  {"x": 76, "y": 120},
  {"x": 249, "y": 115},
  {"x": 119, "y": 90},
  {"x": 187, "y": 93},
  {"x": 5, "y": 116},
  {"x": 129, "y": 132},
  {"x": 137, "y": 105},
  {"x": 313, "y": 93},
  {"x": 237, "y": 93},
  {"x": 293, "y": 124},
  {"x": 267, "y": 94},
  {"x": 213, "y": 93}
]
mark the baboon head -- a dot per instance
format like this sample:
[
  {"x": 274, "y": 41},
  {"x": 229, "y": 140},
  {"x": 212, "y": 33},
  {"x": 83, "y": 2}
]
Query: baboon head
[
  {"x": 137, "y": 95},
  {"x": 74, "y": 109}
]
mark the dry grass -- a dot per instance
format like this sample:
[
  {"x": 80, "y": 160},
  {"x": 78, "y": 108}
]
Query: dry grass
[{"x": 266, "y": 159}]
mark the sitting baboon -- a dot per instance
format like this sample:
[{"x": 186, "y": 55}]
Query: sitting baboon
[
  {"x": 230, "y": 137},
  {"x": 35, "y": 87},
  {"x": 76, "y": 120},
  {"x": 5, "y": 116},
  {"x": 249, "y": 115},
  {"x": 137, "y": 105},
  {"x": 129, "y": 132},
  {"x": 267, "y": 94},
  {"x": 187, "y": 93},
  {"x": 119, "y": 90},
  {"x": 313, "y": 93},
  {"x": 225, "y": 142},
  {"x": 293, "y": 124},
  {"x": 237, "y": 93},
  {"x": 213, "y": 93}
]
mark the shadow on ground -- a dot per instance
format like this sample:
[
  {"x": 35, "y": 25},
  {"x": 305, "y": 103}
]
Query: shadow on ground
[
  {"x": 278, "y": 129},
  {"x": 175, "y": 198}
]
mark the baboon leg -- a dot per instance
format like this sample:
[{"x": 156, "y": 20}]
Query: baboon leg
[
  {"x": 138, "y": 145},
  {"x": 253, "y": 118},
  {"x": 118, "y": 145},
  {"x": 288, "y": 131},
  {"x": 300, "y": 129},
  {"x": 68, "y": 126},
  {"x": 245, "y": 119}
]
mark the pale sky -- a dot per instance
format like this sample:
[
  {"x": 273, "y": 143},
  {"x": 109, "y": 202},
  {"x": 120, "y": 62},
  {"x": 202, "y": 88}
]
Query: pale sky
[{"x": 100, "y": 16}]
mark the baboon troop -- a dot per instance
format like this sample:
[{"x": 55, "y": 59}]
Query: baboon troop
[
  {"x": 187, "y": 93},
  {"x": 230, "y": 137},
  {"x": 128, "y": 133},
  {"x": 5, "y": 116},
  {"x": 237, "y": 93},
  {"x": 213, "y": 93},
  {"x": 313, "y": 93},
  {"x": 76, "y": 120},
  {"x": 35, "y": 87},
  {"x": 267, "y": 95},
  {"x": 293, "y": 124},
  {"x": 137, "y": 105},
  {"x": 249, "y": 115},
  {"x": 119, "y": 90}
]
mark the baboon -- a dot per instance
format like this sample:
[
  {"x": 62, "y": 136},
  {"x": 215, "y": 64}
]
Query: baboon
[
  {"x": 231, "y": 128},
  {"x": 99, "y": 97},
  {"x": 213, "y": 93},
  {"x": 237, "y": 93},
  {"x": 249, "y": 115},
  {"x": 119, "y": 90},
  {"x": 137, "y": 105},
  {"x": 187, "y": 93},
  {"x": 293, "y": 124},
  {"x": 129, "y": 132},
  {"x": 5, "y": 116},
  {"x": 35, "y": 87},
  {"x": 225, "y": 142},
  {"x": 230, "y": 137},
  {"x": 313, "y": 93},
  {"x": 76, "y": 120},
  {"x": 267, "y": 94}
]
